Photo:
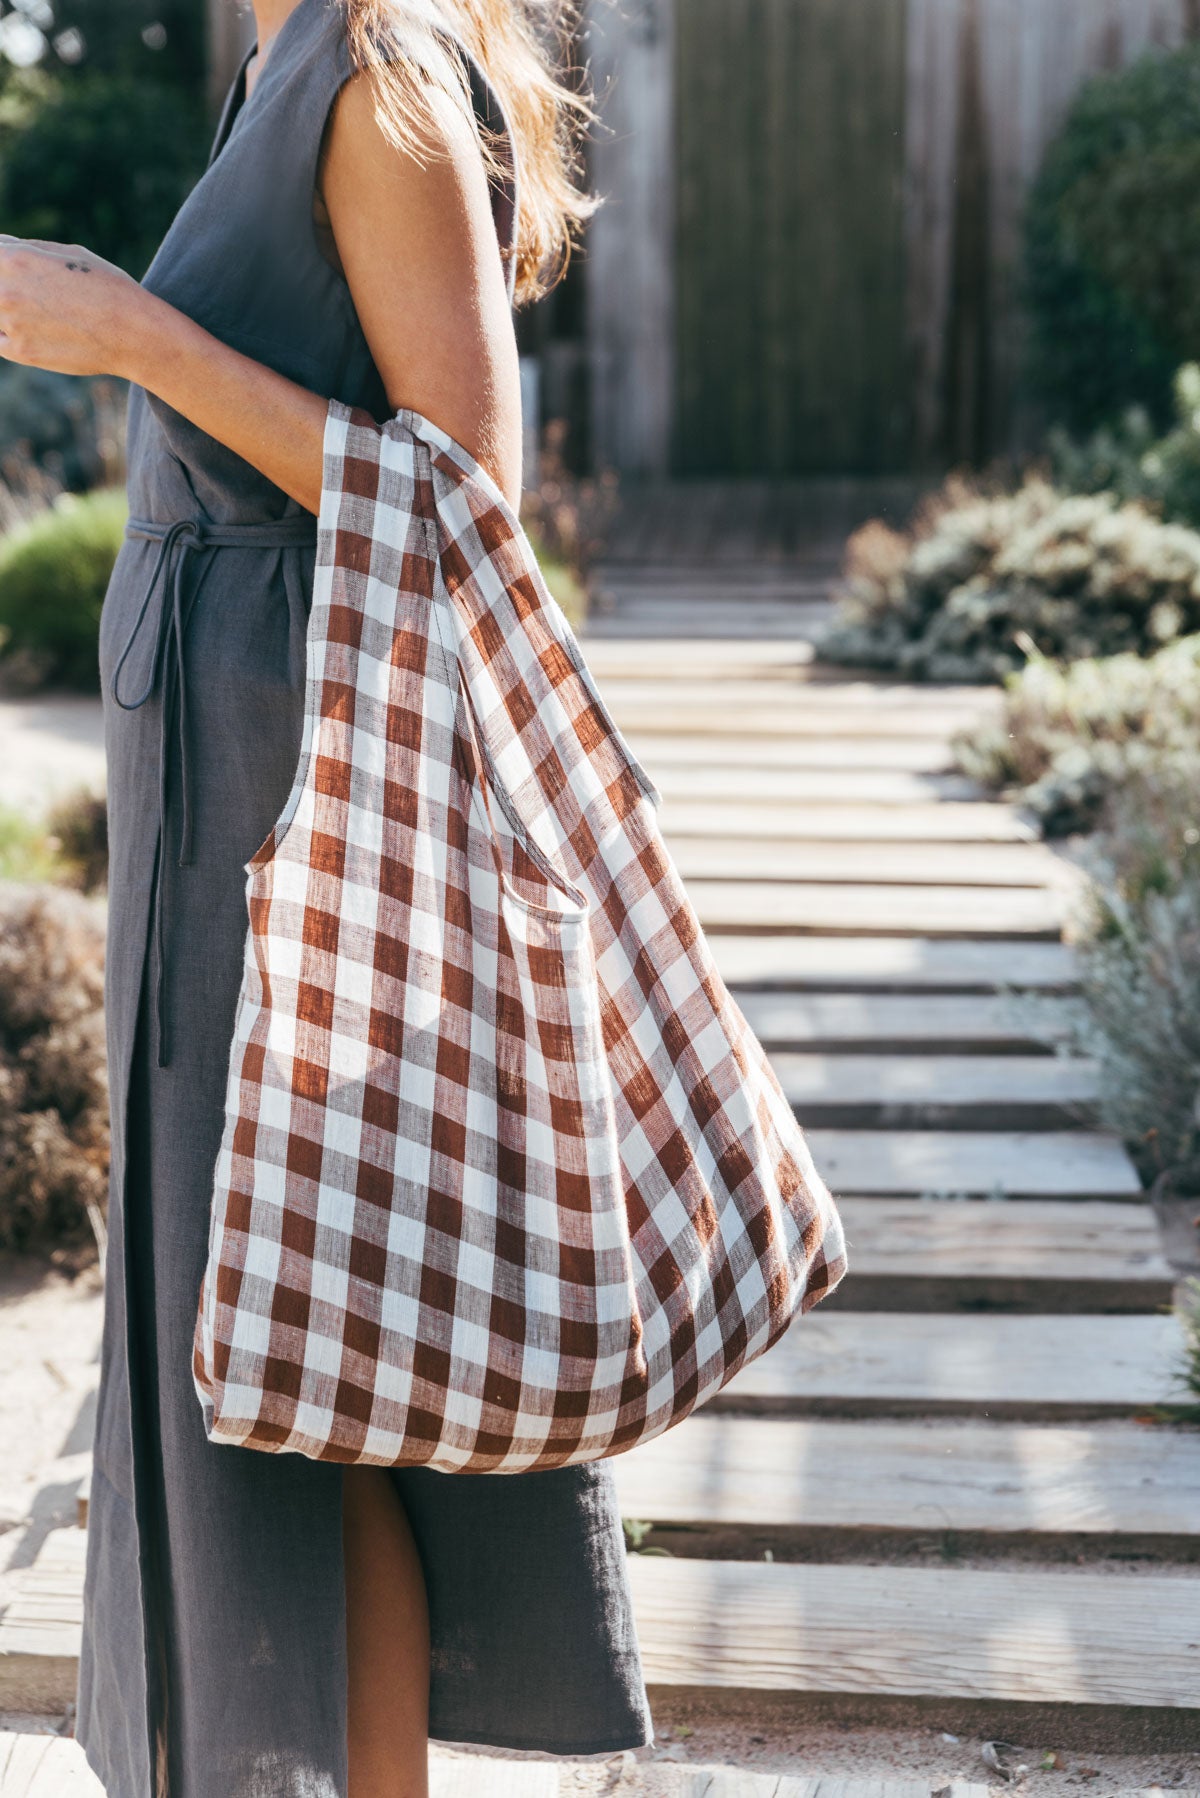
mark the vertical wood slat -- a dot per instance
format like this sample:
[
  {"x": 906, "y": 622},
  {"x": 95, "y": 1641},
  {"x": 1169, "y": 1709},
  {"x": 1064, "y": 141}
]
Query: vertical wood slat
[
  {"x": 790, "y": 349},
  {"x": 629, "y": 266},
  {"x": 781, "y": 281},
  {"x": 1032, "y": 58}
]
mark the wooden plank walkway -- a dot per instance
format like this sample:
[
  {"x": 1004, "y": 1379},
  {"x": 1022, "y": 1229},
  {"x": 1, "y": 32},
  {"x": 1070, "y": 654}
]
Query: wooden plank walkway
[
  {"x": 976, "y": 1478},
  {"x": 818, "y": 823},
  {"x": 1040, "y": 1255},
  {"x": 979, "y": 1092},
  {"x": 827, "y": 908},
  {"x": 1085, "y": 1637},
  {"x": 892, "y": 964},
  {"x": 879, "y": 754},
  {"x": 829, "y": 790},
  {"x": 40, "y": 1630},
  {"x": 935, "y": 1022},
  {"x": 1003, "y": 1163},
  {"x": 882, "y": 864},
  {"x": 987, "y": 1370},
  {"x": 857, "y": 1363}
]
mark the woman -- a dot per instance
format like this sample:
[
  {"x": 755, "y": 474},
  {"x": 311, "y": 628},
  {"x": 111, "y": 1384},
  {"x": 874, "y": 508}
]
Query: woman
[{"x": 261, "y": 1626}]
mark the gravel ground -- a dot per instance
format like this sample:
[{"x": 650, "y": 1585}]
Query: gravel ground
[{"x": 832, "y": 1751}]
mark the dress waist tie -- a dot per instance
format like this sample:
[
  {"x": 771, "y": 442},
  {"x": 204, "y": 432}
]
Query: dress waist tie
[{"x": 175, "y": 540}]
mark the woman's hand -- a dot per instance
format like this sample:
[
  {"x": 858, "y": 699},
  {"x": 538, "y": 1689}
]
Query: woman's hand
[
  {"x": 418, "y": 252},
  {"x": 66, "y": 309}
]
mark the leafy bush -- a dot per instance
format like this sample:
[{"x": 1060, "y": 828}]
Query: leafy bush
[
  {"x": 1112, "y": 246},
  {"x": 70, "y": 847},
  {"x": 983, "y": 576},
  {"x": 1069, "y": 737},
  {"x": 54, "y": 572},
  {"x": 566, "y": 519},
  {"x": 102, "y": 159},
  {"x": 1187, "y": 1310},
  {"x": 1131, "y": 460},
  {"x": 27, "y": 851},
  {"x": 53, "y": 1091},
  {"x": 78, "y": 833},
  {"x": 1140, "y": 974}
]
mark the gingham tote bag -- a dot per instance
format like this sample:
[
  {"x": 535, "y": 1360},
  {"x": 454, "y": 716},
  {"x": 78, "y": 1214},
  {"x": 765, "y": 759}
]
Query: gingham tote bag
[{"x": 506, "y": 1181}]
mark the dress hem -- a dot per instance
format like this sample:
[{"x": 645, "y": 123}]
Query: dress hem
[
  {"x": 607, "y": 1745},
  {"x": 571, "y": 1750}
]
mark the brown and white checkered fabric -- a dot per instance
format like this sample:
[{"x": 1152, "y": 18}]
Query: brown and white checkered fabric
[{"x": 506, "y": 1180}]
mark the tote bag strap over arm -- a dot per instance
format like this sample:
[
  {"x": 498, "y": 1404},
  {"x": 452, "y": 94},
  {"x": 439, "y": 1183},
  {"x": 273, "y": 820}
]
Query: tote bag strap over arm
[{"x": 554, "y": 753}]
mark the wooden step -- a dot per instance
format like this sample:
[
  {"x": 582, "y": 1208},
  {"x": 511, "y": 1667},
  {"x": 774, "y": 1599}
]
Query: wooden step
[
  {"x": 961, "y": 865},
  {"x": 916, "y": 1476},
  {"x": 1058, "y": 1164},
  {"x": 965, "y": 1023},
  {"x": 860, "y": 1364},
  {"x": 892, "y": 964},
  {"x": 791, "y": 693},
  {"x": 678, "y": 659},
  {"x": 1041, "y": 1636},
  {"x": 1031, "y": 1255},
  {"x": 45, "y": 1766},
  {"x": 917, "y": 755},
  {"x": 767, "y": 623},
  {"x": 770, "y": 621},
  {"x": 815, "y": 713},
  {"x": 40, "y": 1629},
  {"x": 33, "y": 1766},
  {"x": 832, "y": 909},
  {"x": 961, "y": 822},
  {"x": 950, "y": 1092},
  {"x": 832, "y": 791}
]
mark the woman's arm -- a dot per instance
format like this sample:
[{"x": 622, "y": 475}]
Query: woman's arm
[{"x": 417, "y": 246}]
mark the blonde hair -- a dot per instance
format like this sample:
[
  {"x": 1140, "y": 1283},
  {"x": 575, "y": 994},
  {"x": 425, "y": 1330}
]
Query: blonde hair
[{"x": 522, "y": 47}]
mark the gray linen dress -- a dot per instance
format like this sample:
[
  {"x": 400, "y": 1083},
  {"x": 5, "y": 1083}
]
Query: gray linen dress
[{"x": 213, "y": 1661}]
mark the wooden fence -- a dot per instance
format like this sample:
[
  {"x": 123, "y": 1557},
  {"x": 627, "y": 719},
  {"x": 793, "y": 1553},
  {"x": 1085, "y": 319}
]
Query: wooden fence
[{"x": 808, "y": 259}]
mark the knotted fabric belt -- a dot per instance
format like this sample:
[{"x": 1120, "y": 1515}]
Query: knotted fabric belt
[{"x": 167, "y": 578}]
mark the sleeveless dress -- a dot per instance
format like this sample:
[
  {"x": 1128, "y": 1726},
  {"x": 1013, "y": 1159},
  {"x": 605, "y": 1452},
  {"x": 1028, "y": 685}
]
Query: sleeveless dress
[{"x": 213, "y": 1659}]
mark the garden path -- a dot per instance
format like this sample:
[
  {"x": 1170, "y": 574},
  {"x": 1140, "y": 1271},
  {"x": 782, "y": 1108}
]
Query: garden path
[{"x": 938, "y": 1502}]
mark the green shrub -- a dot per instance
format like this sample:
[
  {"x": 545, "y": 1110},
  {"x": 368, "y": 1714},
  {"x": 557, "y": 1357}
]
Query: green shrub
[
  {"x": 1112, "y": 243},
  {"x": 70, "y": 847},
  {"x": 53, "y": 1091},
  {"x": 1070, "y": 737},
  {"x": 27, "y": 850},
  {"x": 982, "y": 576},
  {"x": 1129, "y": 459},
  {"x": 77, "y": 826},
  {"x": 566, "y": 519},
  {"x": 54, "y": 572},
  {"x": 1187, "y": 1310},
  {"x": 1139, "y": 961}
]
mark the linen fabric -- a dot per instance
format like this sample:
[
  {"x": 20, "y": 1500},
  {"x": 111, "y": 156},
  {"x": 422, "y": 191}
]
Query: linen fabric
[
  {"x": 506, "y": 1181},
  {"x": 212, "y": 1659}
]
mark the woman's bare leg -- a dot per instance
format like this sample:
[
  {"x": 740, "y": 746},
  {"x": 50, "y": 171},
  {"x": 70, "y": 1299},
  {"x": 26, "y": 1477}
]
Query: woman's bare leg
[{"x": 387, "y": 1642}]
